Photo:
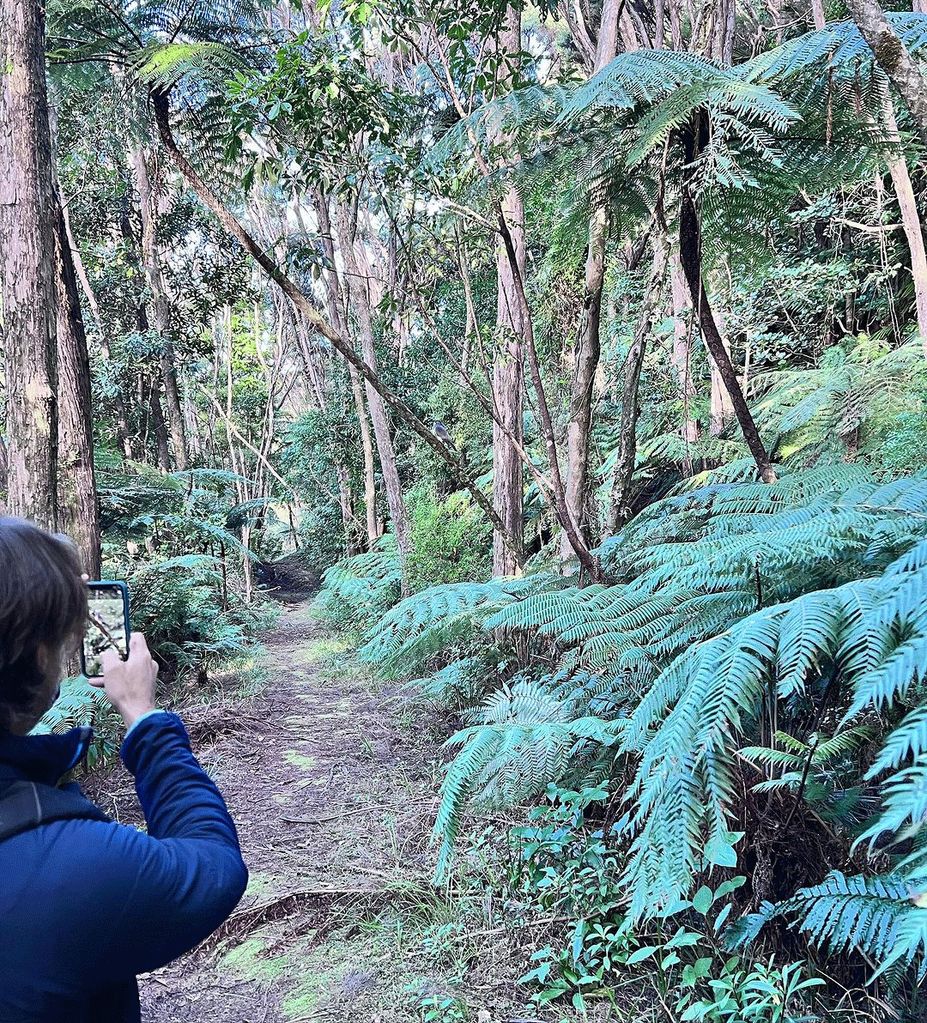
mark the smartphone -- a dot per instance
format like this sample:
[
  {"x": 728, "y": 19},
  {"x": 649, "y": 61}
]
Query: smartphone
[{"x": 107, "y": 625}]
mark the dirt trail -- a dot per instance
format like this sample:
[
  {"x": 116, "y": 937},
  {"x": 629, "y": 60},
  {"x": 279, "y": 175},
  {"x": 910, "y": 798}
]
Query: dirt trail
[{"x": 333, "y": 802}]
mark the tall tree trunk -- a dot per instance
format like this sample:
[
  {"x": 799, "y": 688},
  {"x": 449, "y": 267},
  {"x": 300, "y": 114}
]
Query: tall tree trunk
[
  {"x": 78, "y": 507},
  {"x": 508, "y": 394},
  {"x": 721, "y": 408},
  {"x": 27, "y": 242},
  {"x": 335, "y": 301},
  {"x": 619, "y": 508},
  {"x": 160, "y": 317},
  {"x": 910, "y": 220},
  {"x": 893, "y": 58},
  {"x": 682, "y": 355},
  {"x": 817, "y": 14},
  {"x": 690, "y": 252},
  {"x": 162, "y": 442},
  {"x": 586, "y": 357},
  {"x": 508, "y": 365},
  {"x": 359, "y": 299}
]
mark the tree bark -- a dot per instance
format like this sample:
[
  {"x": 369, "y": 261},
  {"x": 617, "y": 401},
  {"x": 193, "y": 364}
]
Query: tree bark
[
  {"x": 893, "y": 58},
  {"x": 817, "y": 14},
  {"x": 682, "y": 355},
  {"x": 27, "y": 242},
  {"x": 162, "y": 441},
  {"x": 160, "y": 317},
  {"x": 308, "y": 310},
  {"x": 508, "y": 394},
  {"x": 586, "y": 357},
  {"x": 78, "y": 507},
  {"x": 910, "y": 220},
  {"x": 508, "y": 364},
  {"x": 721, "y": 407}
]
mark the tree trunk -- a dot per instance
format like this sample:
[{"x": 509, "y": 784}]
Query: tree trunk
[
  {"x": 691, "y": 256},
  {"x": 619, "y": 508},
  {"x": 721, "y": 408},
  {"x": 160, "y": 318},
  {"x": 508, "y": 364},
  {"x": 586, "y": 357},
  {"x": 910, "y": 220},
  {"x": 359, "y": 299},
  {"x": 335, "y": 305},
  {"x": 27, "y": 242},
  {"x": 370, "y": 469},
  {"x": 162, "y": 442},
  {"x": 78, "y": 507},
  {"x": 682, "y": 355},
  {"x": 690, "y": 252},
  {"x": 817, "y": 13},
  {"x": 508, "y": 395},
  {"x": 893, "y": 58}
]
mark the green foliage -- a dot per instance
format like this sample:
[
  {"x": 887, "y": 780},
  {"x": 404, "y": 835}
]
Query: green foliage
[
  {"x": 78, "y": 704},
  {"x": 451, "y": 540},
  {"x": 357, "y": 590}
]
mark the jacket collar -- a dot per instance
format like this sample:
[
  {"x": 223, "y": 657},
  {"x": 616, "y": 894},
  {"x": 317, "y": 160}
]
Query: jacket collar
[{"x": 42, "y": 758}]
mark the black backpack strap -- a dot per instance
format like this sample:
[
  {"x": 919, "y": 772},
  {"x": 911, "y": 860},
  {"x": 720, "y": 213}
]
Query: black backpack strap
[{"x": 25, "y": 805}]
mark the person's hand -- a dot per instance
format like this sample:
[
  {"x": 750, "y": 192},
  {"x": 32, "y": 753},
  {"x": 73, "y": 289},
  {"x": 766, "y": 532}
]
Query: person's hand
[{"x": 129, "y": 684}]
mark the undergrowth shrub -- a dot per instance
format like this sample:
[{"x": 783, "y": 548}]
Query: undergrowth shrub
[
  {"x": 451, "y": 540},
  {"x": 757, "y": 658},
  {"x": 357, "y": 590}
]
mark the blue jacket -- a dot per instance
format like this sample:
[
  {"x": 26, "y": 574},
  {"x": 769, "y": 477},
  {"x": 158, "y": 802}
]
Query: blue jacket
[{"x": 85, "y": 905}]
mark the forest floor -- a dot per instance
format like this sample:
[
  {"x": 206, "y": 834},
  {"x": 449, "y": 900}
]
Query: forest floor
[{"x": 331, "y": 778}]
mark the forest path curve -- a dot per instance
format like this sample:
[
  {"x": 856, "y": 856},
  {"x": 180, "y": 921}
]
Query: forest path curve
[{"x": 333, "y": 797}]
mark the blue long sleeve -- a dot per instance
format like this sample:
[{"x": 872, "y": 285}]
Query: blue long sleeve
[{"x": 86, "y": 905}]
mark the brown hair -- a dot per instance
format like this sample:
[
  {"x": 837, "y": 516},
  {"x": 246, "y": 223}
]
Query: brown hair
[{"x": 43, "y": 602}]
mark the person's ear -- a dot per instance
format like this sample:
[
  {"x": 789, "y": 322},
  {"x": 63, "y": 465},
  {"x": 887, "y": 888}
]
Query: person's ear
[{"x": 42, "y": 658}]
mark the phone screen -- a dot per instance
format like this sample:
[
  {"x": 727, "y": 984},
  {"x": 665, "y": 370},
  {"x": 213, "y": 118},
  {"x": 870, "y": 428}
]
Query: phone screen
[{"x": 107, "y": 625}]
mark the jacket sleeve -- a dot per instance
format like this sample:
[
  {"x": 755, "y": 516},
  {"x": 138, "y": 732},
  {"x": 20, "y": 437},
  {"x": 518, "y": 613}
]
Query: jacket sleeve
[{"x": 187, "y": 873}]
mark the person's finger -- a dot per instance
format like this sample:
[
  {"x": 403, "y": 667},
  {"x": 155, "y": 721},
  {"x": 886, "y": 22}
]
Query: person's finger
[
  {"x": 85, "y": 577},
  {"x": 109, "y": 659},
  {"x": 138, "y": 645},
  {"x": 97, "y": 683}
]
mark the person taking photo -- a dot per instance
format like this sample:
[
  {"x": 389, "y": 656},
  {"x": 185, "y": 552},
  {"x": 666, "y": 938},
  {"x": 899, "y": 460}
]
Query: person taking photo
[{"x": 86, "y": 904}]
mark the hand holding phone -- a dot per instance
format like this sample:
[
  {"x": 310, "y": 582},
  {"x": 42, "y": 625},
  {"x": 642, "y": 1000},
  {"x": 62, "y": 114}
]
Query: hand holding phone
[
  {"x": 107, "y": 625},
  {"x": 129, "y": 684}
]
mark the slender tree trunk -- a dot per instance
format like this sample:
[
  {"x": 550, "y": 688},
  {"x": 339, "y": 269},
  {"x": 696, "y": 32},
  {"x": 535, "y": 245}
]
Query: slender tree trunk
[
  {"x": 910, "y": 220},
  {"x": 893, "y": 58},
  {"x": 817, "y": 14},
  {"x": 586, "y": 358},
  {"x": 508, "y": 395},
  {"x": 335, "y": 305},
  {"x": 374, "y": 529},
  {"x": 619, "y": 508},
  {"x": 690, "y": 252},
  {"x": 508, "y": 364},
  {"x": 78, "y": 507},
  {"x": 160, "y": 317},
  {"x": 721, "y": 408},
  {"x": 682, "y": 354},
  {"x": 27, "y": 244},
  {"x": 162, "y": 442},
  {"x": 359, "y": 298},
  {"x": 472, "y": 327}
]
